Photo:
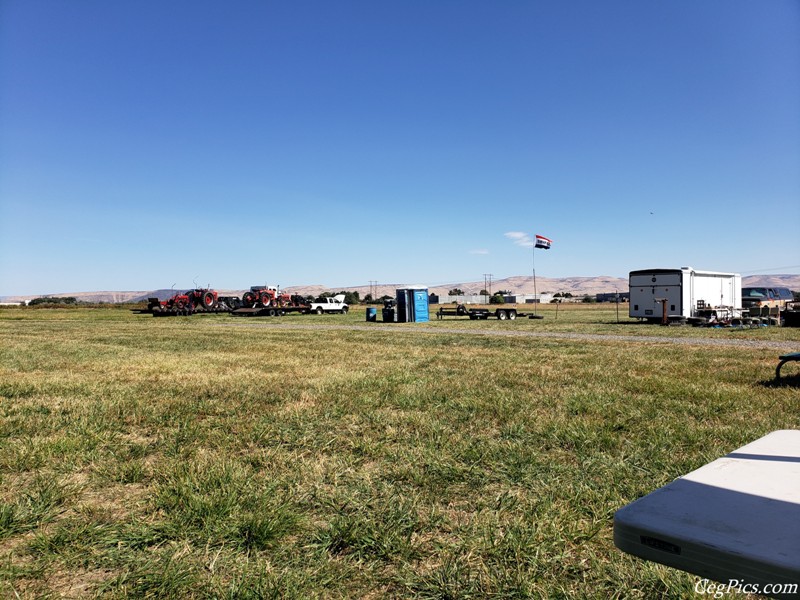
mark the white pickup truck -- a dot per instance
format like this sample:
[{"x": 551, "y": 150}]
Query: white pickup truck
[{"x": 329, "y": 305}]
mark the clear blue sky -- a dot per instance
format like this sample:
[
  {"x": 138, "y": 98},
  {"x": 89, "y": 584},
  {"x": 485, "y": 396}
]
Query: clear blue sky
[{"x": 146, "y": 143}]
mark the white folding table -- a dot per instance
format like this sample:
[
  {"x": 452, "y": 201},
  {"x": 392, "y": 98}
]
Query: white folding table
[{"x": 734, "y": 519}]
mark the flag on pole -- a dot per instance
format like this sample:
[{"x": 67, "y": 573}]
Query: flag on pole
[{"x": 543, "y": 242}]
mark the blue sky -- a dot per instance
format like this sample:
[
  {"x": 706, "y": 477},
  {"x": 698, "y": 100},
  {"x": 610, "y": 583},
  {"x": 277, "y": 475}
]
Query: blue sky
[{"x": 336, "y": 142}]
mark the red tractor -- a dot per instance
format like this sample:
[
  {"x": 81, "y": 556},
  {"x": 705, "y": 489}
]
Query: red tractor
[
  {"x": 203, "y": 299},
  {"x": 261, "y": 295},
  {"x": 179, "y": 304},
  {"x": 185, "y": 303}
]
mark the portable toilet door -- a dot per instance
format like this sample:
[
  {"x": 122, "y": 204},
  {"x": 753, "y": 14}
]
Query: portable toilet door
[
  {"x": 421, "y": 313},
  {"x": 403, "y": 306}
]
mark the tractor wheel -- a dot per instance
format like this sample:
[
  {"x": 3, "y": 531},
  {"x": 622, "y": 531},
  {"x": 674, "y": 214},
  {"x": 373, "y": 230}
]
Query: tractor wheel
[
  {"x": 248, "y": 299},
  {"x": 319, "y": 310},
  {"x": 208, "y": 300},
  {"x": 265, "y": 299}
]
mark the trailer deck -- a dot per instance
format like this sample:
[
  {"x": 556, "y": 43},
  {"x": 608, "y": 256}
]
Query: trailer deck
[
  {"x": 268, "y": 311},
  {"x": 501, "y": 314}
]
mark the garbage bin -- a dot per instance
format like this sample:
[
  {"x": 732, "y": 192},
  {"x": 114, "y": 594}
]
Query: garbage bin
[
  {"x": 372, "y": 314},
  {"x": 389, "y": 315}
]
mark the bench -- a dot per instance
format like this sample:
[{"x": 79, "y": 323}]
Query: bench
[{"x": 794, "y": 357}]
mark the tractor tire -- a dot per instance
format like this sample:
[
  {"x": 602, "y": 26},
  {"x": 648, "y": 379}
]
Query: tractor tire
[
  {"x": 248, "y": 299},
  {"x": 208, "y": 300},
  {"x": 320, "y": 311}
]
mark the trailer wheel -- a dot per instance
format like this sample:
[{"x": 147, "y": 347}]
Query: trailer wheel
[
  {"x": 512, "y": 315},
  {"x": 319, "y": 310},
  {"x": 272, "y": 312},
  {"x": 502, "y": 315}
]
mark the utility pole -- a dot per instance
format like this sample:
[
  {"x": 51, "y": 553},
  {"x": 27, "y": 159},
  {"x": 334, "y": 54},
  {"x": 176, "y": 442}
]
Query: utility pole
[{"x": 487, "y": 283}]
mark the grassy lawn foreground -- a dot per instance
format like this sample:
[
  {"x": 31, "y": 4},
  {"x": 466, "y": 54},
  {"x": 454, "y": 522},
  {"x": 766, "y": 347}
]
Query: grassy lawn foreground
[{"x": 177, "y": 458}]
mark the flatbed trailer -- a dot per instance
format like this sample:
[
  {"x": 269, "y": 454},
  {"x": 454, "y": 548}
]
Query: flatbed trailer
[
  {"x": 186, "y": 311},
  {"x": 500, "y": 313},
  {"x": 224, "y": 304},
  {"x": 269, "y": 311}
]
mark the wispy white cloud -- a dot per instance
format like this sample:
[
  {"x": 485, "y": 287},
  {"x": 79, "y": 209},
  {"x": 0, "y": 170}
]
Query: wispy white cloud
[
  {"x": 520, "y": 238},
  {"x": 479, "y": 251}
]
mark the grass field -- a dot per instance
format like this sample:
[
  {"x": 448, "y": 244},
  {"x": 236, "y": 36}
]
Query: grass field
[{"x": 213, "y": 457}]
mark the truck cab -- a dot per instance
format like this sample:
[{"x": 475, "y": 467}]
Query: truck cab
[{"x": 336, "y": 304}]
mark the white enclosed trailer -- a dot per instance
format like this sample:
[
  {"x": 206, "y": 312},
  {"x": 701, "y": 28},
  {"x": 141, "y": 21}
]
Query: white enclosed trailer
[{"x": 684, "y": 293}]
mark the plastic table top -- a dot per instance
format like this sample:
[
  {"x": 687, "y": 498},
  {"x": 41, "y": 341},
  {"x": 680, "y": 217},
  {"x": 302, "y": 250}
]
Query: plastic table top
[{"x": 736, "y": 518}]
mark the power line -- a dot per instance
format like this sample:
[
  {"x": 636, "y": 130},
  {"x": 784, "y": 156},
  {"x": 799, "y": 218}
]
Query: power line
[{"x": 772, "y": 269}]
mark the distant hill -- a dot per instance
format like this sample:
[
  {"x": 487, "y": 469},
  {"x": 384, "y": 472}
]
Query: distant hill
[
  {"x": 577, "y": 286},
  {"x": 787, "y": 281},
  {"x": 523, "y": 284}
]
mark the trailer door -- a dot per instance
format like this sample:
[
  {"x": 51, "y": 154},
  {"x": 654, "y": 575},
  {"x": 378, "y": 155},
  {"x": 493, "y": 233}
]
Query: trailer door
[{"x": 648, "y": 291}]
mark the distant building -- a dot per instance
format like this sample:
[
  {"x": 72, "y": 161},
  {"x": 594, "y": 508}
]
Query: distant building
[
  {"x": 484, "y": 299},
  {"x": 612, "y": 297}
]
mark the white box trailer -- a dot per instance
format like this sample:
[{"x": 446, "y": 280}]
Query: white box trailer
[{"x": 684, "y": 293}]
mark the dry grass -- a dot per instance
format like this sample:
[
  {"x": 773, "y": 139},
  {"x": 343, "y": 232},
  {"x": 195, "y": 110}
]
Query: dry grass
[{"x": 183, "y": 458}]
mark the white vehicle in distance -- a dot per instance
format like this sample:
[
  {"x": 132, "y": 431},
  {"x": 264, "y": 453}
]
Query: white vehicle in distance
[{"x": 335, "y": 304}]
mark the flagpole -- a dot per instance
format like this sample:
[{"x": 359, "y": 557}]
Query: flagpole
[{"x": 534, "y": 279}]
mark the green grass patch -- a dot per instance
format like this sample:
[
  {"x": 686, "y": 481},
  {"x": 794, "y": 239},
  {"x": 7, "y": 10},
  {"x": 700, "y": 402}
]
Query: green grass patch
[{"x": 214, "y": 457}]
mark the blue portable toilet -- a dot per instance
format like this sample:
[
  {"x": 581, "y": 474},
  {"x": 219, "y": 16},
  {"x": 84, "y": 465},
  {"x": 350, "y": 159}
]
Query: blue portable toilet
[{"x": 412, "y": 305}]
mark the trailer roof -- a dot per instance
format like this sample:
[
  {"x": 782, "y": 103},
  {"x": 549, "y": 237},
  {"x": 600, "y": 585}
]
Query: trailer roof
[{"x": 682, "y": 270}]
